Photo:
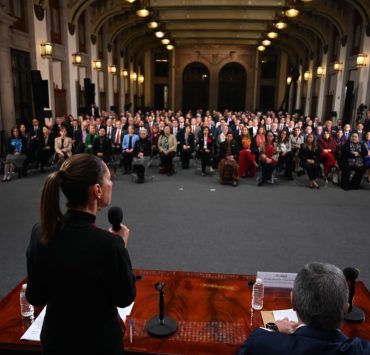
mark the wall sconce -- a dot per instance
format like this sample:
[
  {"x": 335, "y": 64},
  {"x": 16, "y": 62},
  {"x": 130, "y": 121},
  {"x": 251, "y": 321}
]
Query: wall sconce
[
  {"x": 291, "y": 12},
  {"x": 307, "y": 75},
  {"x": 165, "y": 41},
  {"x": 266, "y": 42},
  {"x": 46, "y": 50},
  {"x": 289, "y": 80},
  {"x": 98, "y": 64},
  {"x": 261, "y": 48},
  {"x": 361, "y": 60},
  {"x": 272, "y": 34},
  {"x": 159, "y": 34},
  {"x": 153, "y": 24},
  {"x": 320, "y": 71},
  {"x": 338, "y": 66},
  {"x": 140, "y": 79},
  {"x": 76, "y": 59},
  {"x": 133, "y": 76},
  {"x": 124, "y": 73},
  {"x": 170, "y": 47},
  {"x": 113, "y": 69}
]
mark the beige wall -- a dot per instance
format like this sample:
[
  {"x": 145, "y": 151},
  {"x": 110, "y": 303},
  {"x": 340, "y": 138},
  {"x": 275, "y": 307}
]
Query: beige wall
[{"x": 214, "y": 58}]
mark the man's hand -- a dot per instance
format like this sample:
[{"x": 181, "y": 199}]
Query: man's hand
[{"x": 286, "y": 326}]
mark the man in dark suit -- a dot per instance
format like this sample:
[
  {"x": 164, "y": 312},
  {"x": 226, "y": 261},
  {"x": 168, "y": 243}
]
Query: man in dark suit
[
  {"x": 76, "y": 135},
  {"x": 320, "y": 298}
]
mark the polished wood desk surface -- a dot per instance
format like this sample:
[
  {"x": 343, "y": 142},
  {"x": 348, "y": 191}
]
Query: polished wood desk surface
[{"x": 212, "y": 311}]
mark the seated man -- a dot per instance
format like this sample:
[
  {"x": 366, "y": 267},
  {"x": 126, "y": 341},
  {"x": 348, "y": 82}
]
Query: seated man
[{"x": 320, "y": 298}]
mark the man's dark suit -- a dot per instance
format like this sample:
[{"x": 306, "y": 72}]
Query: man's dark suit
[{"x": 304, "y": 341}]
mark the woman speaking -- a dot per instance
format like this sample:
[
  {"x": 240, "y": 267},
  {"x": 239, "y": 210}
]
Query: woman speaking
[{"x": 81, "y": 272}]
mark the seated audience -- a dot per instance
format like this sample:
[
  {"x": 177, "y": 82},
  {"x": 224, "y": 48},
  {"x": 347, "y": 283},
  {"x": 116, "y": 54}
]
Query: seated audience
[
  {"x": 128, "y": 144},
  {"x": 247, "y": 160},
  {"x": 310, "y": 161},
  {"x": 327, "y": 147},
  {"x": 205, "y": 150},
  {"x": 186, "y": 144},
  {"x": 268, "y": 158},
  {"x": 46, "y": 148},
  {"x": 62, "y": 146},
  {"x": 228, "y": 167},
  {"x": 16, "y": 157},
  {"x": 102, "y": 146},
  {"x": 90, "y": 137},
  {"x": 142, "y": 153},
  {"x": 284, "y": 149},
  {"x": 154, "y": 136},
  {"x": 352, "y": 159},
  {"x": 367, "y": 157},
  {"x": 167, "y": 146},
  {"x": 320, "y": 298}
]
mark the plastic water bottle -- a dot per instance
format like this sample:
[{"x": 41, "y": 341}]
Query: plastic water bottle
[
  {"x": 26, "y": 308},
  {"x": 257, "y": 295}
]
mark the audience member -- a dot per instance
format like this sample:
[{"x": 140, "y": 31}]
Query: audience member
[
  {"x": 228, "y": 167},
  {"x": 205, "y": 144},
  {"x": 269, "y": 158},
  {"x": 62, "y": 146},
  {"x": 102, "y": 146},
  {"x": 128, "y": 144},
  {"x": 310, "y": 161},
  {"x": 167, "y": 145},
  {"x": 328, "y": 148},
  {"x": 187, "y": 145},
  {"x": 142, "y": 153}
]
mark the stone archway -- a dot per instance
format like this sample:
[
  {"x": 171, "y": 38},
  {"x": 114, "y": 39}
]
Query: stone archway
[
  {"x": 195, "y": 87},
  {"x": 232, "y": 87}
]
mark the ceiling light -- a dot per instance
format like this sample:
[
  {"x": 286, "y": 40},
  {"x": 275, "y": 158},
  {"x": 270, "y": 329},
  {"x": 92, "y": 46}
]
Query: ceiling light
[
  {"x": 143, "y": 12},
  {"x": 266, "y": 42},
  {"x": 280, "y": 25},
  {"x": 261, "y": 48},
  {"x": 153, "y": 24},
  {"x": 289, "y": 80},
  {"x": 159, "y": 34},
  {"x": 165, "y": 41},
  {"x": 170, "y": 47},
  {"x": 130, "y": 1},
  {"x": 272, "y": 34},
  {"x": 292, "y": 12}
]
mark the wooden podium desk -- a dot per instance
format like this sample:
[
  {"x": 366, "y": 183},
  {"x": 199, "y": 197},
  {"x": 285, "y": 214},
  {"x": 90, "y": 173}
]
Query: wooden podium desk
[{"x": 212, "y": 311}]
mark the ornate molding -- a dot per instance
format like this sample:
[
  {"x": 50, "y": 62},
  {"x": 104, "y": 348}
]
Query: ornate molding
[
  {"x": 39, "y": 11},
  {"x": 343, "y": 40},
  {"x": 109, "y": 47},
  {"x": 93, "y": 39},
  {"x": 71, "y": 28}
]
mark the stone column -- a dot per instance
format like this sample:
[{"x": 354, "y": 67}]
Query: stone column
[
  {"x": 7, "y": 114},
  {"x": 322, "y": 90},
  {"x": 363, "y": 96},
  {"x": 309, "y": 89},
  {"x": 339, "y": 94},
  {"x": 148, "y": 80}
]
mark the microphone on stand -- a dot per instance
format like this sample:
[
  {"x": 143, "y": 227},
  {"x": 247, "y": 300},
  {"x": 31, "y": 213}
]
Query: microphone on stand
[
  {"x": 115, "y": 218},
  {"x": 354, "y": 314},
  {"x": 161, "y": 325}
]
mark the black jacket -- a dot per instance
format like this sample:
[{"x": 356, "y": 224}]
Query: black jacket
[{"x": 82, "y": 276}]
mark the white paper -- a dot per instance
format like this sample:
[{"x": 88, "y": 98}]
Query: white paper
[
  {"x": 124, "y": 312},
  {"x": 277, "y": 279},
  {"x": 285, "y": 313},
  {"x": 33, "y": 332}
]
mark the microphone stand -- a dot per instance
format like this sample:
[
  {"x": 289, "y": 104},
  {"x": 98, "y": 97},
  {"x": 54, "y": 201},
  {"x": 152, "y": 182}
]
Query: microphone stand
[{"x": 161, "y": 325}]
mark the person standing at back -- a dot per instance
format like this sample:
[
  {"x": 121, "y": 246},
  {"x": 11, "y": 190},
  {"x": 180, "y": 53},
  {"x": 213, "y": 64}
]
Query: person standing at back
[{"x": 81, "y": 272}]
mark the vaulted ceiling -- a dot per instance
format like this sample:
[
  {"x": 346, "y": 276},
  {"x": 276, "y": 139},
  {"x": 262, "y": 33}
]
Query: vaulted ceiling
[{"x": 229, "y": 22}]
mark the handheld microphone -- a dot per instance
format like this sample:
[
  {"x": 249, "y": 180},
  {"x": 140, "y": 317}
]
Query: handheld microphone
[
  {"x": 115, "y": 218},
  {"x": 354, "y": 314}
]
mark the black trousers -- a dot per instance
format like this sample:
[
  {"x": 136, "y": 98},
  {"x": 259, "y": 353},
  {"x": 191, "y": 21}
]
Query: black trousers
[
  {"x": 287, "y": 162},
  {"x": 355, "y": 182},
  {"x": 185, "y": 157},
  {"x": 205, "y": 158},
  {"x": 127, "y": 160},
  {"x": 267, "y": 170},
  {"x": 313, "y": 170},
  {"x": 166, "y": 161}
]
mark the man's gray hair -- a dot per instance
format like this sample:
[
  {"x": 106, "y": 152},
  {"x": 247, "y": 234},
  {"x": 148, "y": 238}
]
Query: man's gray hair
[{"x": 320, "y": 295}]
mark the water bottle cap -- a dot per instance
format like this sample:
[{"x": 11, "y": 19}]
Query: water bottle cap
[
  {"x": 259, "y": 281},
  {"x": 24, "y": 286}
]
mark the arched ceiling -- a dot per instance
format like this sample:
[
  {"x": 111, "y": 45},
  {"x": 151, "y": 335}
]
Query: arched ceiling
[{"x": 229, "y": 22}]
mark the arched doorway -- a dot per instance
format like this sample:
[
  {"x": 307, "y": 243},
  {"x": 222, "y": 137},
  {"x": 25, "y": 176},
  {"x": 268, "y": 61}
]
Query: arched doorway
[
  {"x": 232, "y": 87},
  {"x": 195, "y": 87}
]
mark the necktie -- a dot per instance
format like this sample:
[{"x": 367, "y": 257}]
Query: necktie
[
  {"x": 118, "y": 137},
  {"x": 130, "y": 143},
  {"x": 62, "y": 146}
]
